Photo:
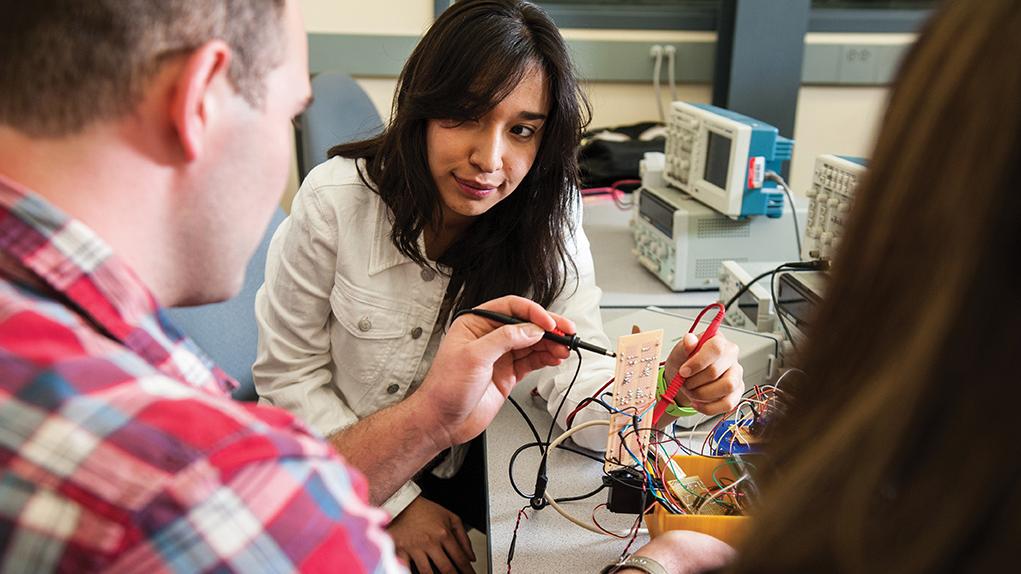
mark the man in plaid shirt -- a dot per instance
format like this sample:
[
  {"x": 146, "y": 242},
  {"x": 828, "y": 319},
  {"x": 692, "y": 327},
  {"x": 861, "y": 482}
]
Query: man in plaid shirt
[{"x": 143, "y": 148}]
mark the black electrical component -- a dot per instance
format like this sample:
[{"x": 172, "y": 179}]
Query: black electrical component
[{"x": 626, "y": 495}]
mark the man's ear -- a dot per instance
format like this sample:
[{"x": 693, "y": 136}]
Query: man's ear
[{"x": 197, "y": 88}]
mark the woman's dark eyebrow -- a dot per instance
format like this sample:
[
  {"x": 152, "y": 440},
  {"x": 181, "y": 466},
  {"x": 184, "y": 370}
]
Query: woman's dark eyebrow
[{"x": 532, "y": 116}]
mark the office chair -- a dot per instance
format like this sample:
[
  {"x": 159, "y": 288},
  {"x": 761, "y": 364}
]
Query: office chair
[
  {"x": 226, "y": 331},
  {"x": 341, "y": 112}
]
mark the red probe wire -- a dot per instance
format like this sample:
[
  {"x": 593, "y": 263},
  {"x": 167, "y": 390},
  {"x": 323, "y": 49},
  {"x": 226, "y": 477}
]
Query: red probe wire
[{"x": 678, "y": 381}]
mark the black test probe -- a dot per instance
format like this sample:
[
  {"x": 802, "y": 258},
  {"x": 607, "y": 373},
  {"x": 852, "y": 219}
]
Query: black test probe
[{"x": 571, "y": 341}]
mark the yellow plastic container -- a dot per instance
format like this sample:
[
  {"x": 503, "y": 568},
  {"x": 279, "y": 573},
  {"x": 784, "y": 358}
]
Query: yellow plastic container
[{"x": 729, "y": 529}]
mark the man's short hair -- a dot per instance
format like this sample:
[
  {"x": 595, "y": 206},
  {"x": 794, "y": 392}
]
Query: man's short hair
[{"x": 65, "y": 64}]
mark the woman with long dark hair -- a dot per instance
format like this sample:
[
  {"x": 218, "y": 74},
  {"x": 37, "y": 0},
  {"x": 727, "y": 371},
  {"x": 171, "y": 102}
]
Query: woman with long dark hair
[{"x": 469, "y": 194}]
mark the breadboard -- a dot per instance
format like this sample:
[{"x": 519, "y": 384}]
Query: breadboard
[{"x": 634, "y": 392}]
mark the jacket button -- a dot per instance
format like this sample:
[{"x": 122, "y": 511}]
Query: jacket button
[
  {"x": 428, "y": 274},
  {"x": 416, "y": 332},
  {"x": 364, "y": 324},
  {"x": 393, "y": 388}
]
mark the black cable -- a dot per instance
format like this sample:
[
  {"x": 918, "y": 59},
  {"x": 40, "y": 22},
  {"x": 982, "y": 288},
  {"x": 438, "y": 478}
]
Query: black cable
[
  {"x": 744, "y": 288},
  {"x": 794, "y": 210},
  {"x": 537, "y": 500},
  {"x": 570, "y": 421},
  {"x": 541, "y": 480},
  {"x": 792, "y": 265},
  {"x": 582, "y": 496},
  {"x": 549, "y": 434},
  {"x": 524, "y": 447},
  {"x": 820, "y": 265},
  {"x": 531, "y": 426},
  {"x": 779, "y": 313},
  {"x": 510, "y": 468}
]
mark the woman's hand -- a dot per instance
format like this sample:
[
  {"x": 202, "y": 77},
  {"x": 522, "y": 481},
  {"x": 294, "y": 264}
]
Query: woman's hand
[
  {"x": 432, "y": 538},
  {"x": 686, "y": 552},
  {"x": 713, "y": 379}
]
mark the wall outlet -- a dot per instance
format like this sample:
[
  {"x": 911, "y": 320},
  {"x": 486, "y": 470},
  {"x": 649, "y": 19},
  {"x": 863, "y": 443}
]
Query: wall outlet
[{"x": 858, "y": 64}]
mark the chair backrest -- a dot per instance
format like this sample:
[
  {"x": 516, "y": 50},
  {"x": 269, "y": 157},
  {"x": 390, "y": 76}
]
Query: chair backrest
[
  {"x": 227, "y": 331},
  {"x": 341, "y": 112}
]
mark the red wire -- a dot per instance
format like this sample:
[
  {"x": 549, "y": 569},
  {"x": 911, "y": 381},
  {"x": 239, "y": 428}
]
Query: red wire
[
  {"x": 514, "y": 537},
  {"x": 678, "y": 381},
  {"x": 605, "y": 531},
  {"x": 612, "y": 189},
  {"x": 666, "y": 489},
  {"x": 634, "y": 531}
]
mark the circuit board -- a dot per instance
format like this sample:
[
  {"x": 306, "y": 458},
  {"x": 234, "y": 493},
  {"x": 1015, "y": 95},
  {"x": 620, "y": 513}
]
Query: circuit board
[{"x": 634, "y": 393}]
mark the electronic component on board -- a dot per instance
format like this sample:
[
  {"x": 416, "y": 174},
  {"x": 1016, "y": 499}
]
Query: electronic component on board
[
  {"x": 634, "y": 393},
  {"x": 625, "y": 492},
  {"x": 689, "y": 491}
]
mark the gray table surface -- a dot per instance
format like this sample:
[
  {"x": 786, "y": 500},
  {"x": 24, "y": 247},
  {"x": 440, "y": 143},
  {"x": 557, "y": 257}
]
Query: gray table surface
[{"x": 546, "y": 541}]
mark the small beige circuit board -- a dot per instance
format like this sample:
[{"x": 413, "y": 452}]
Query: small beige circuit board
[
  {"x": 690, "y": 491},
  {"x": 634, "y": 391},
  {"x": 695, "y": 497}
]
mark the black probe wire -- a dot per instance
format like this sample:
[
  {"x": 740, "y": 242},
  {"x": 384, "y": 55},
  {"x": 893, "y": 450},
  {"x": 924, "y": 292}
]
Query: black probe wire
[
  {"x": 531, "y": 426},
  {"x": 790, "y": 266},
  {"x": 527, "y": 446},
  {"x": 537, "y": 500},
  {"x": 822, "y": 265},
  {"x": 779, "y": 313},
  {"x": 744, "y": 288}
]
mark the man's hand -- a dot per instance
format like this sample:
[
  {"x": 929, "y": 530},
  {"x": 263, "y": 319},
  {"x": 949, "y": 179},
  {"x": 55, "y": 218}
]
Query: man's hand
[
  {"x": 429, "y": 535},
  {"x": 713, "y": 379},
  {"x": 686, "y": 552},
  {"x": 478, "y": 363}
]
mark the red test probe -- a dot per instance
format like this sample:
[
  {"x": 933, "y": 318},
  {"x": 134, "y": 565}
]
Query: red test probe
[{"x": 677, "y": 382}]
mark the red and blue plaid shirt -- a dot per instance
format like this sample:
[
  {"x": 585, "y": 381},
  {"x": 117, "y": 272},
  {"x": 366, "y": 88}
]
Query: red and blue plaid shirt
[{"x": 119, "y": 449}]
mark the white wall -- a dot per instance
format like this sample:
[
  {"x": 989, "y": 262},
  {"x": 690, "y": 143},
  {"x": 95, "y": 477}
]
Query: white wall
[
  {"x": 837, "y": 119},
  {"x": 385, "y": 17}
]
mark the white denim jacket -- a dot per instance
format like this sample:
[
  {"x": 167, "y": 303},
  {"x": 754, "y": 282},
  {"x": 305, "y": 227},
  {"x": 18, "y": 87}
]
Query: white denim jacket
[{"x": 344, "y": 318}]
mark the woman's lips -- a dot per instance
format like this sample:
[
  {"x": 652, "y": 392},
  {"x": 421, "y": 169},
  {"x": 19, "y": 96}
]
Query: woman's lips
[{"x": 474, "y": 189}]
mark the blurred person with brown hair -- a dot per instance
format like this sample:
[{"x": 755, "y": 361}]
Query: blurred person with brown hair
[{"x": 894, "y": 455}]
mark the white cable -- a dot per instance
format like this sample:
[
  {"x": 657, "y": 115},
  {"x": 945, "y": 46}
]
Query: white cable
[
  {"x": 551, "y": 499},
  {"x": 657, "y": 52},
  {"x": 779, "y": 180},
  {"x": 776, "y": 385},
  {"x": 691, "y": 433},
  {"x": 670, "y": 52}
]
